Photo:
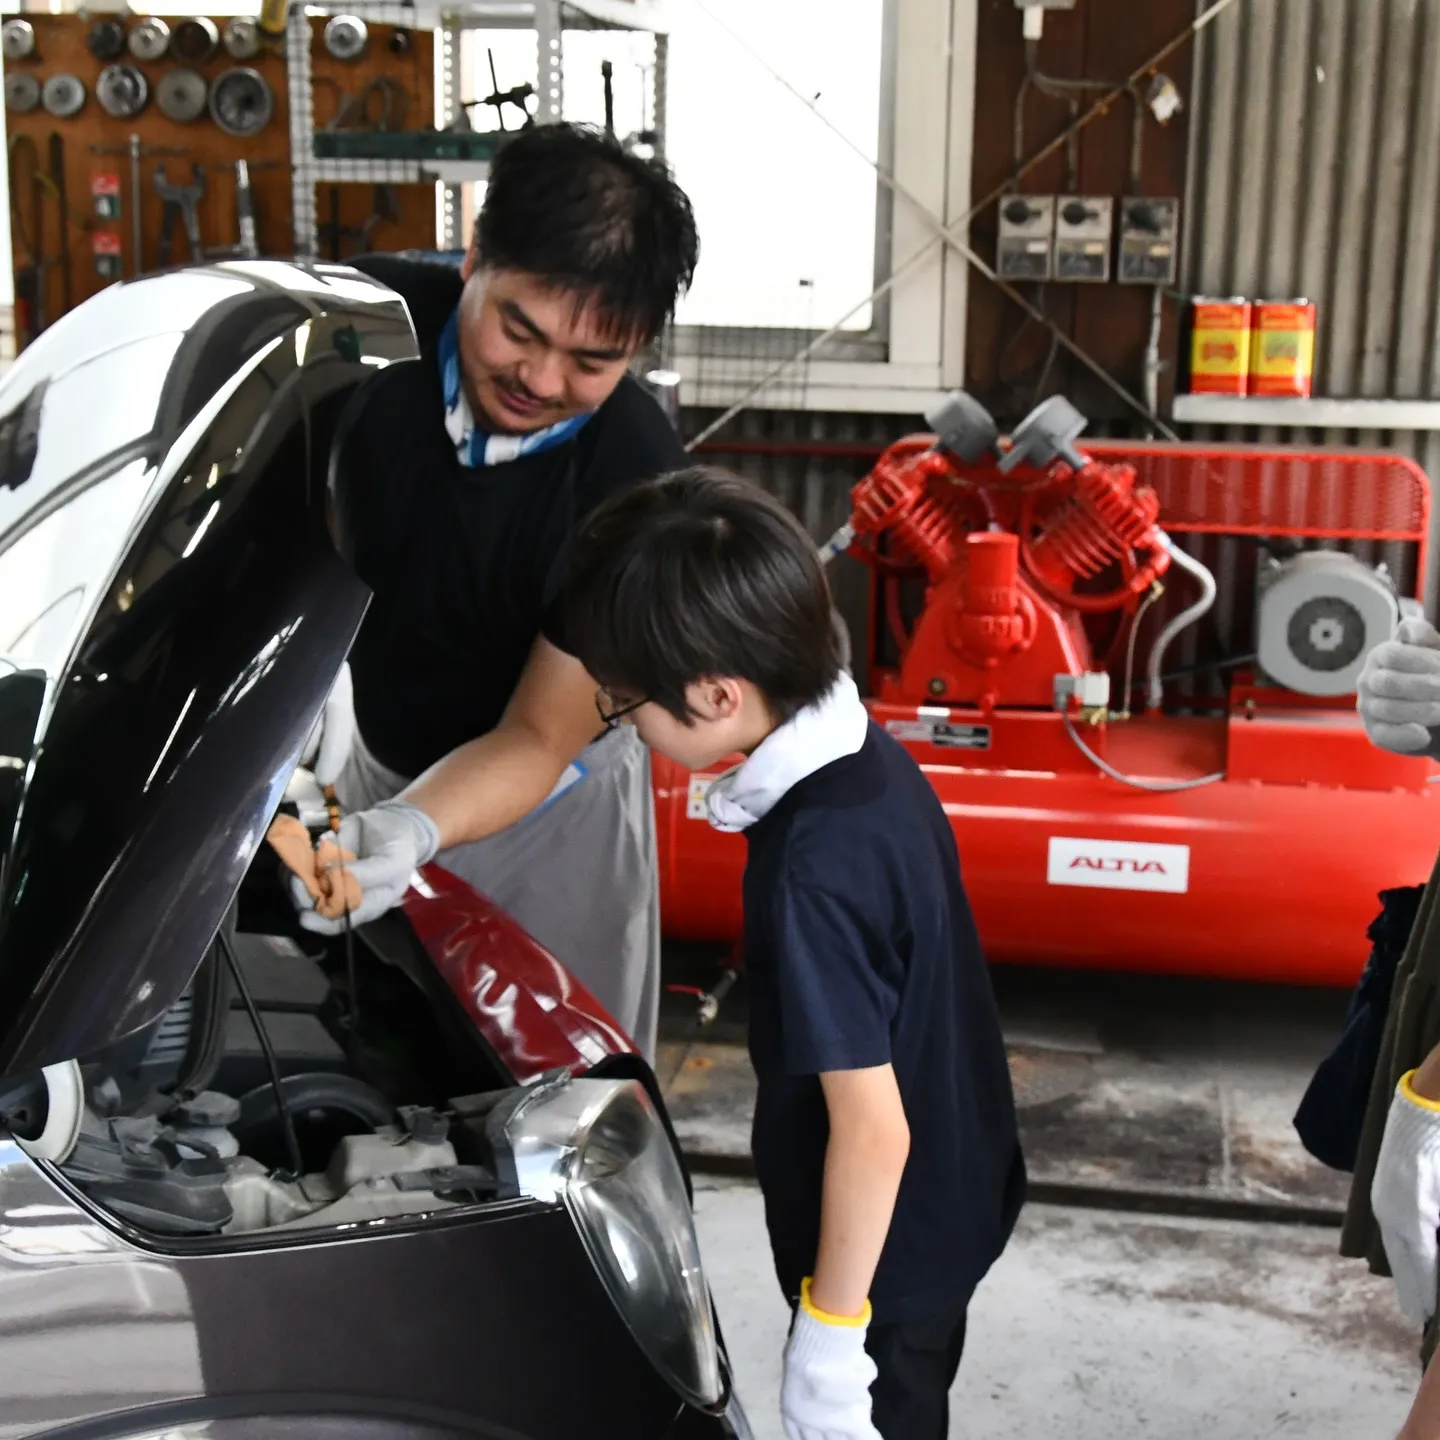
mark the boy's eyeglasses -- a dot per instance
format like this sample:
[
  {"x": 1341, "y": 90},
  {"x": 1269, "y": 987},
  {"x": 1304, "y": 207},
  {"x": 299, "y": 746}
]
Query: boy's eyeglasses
[{"x": 612, "y": 711}]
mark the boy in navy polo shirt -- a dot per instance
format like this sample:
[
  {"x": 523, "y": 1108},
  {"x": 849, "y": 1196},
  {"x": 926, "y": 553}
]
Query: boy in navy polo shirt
[{"x": 885, "y": 1139}]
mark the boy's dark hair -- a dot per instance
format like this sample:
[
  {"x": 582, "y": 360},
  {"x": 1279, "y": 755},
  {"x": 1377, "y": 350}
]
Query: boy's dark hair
[
  {"x": 568, "y": 203},
  {"x": 694, "y": 576}
]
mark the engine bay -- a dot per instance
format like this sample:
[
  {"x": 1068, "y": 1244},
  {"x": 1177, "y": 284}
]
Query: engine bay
[{"x": 298, "y": 1082}]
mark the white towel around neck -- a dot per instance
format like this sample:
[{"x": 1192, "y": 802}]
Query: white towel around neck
[{"x": 834, "y": 727}]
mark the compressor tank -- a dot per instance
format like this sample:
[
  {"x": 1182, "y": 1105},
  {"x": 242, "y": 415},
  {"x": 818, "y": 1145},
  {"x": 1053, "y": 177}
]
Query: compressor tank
[{"x": 1270, "y": 879}]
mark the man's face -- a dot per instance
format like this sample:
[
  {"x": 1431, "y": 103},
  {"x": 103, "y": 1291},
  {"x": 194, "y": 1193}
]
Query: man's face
[{"x": 528, "y": 358}]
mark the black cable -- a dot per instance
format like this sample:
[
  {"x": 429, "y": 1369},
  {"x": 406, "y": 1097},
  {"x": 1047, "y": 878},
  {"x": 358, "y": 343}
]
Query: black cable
[
  {"x": 292, "y": 1141},
  {"x": 1230, "y": 662}
]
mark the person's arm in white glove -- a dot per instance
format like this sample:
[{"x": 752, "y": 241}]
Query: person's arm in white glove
[
  {"x": 332, "y": 739},
  {"x": 825, "y": 1393},
  {"x": 390, "y": 842},
  {"x": 1398, "y": 693},
  {"x": 474, "y": 791},
  {"x": 1405, "y": 1193}
]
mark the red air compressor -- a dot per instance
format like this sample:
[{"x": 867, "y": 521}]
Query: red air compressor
[{"x": 1179, "y": 823}]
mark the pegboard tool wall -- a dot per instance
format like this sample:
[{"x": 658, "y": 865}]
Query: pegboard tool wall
[{"x": 97, "y": 144}]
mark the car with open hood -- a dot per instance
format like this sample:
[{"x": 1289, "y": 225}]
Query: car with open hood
[{"x": 409, "y": 1181}]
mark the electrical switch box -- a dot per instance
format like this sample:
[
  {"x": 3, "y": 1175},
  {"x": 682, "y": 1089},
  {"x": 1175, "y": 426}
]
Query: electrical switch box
[
  {"x": 1149, "y": 241},
  {"x": 1084, "y": 225},
  {"x": 1027, "y": 237}
]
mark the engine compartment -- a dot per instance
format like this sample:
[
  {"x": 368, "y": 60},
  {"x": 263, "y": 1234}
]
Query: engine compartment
[{"x": 380, "y": 1110}]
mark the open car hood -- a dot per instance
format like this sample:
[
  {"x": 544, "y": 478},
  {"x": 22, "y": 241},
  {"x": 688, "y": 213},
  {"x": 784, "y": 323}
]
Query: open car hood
[{"x": 172, "y": 617}]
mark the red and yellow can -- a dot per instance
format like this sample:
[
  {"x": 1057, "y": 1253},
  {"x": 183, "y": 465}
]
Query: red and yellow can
[
  {"x": 1219, "y": 346},
  {"x": 1282, "y": 347}
]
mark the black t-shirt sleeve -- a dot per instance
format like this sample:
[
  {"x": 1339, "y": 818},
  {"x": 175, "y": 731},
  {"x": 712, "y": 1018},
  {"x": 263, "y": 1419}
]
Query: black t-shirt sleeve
[
  {"x": 838, "y": 985},
  {"x": 430, "y": 289}
]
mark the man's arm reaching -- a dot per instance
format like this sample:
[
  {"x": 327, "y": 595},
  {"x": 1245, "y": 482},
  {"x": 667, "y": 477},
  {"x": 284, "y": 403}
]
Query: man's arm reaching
[{"x": 498, "y": 779}]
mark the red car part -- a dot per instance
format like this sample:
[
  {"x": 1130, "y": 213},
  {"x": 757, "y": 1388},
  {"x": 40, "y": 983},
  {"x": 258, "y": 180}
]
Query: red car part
[
  {"x": 528, "y": 1008},
  {"x": 1269, "y": 874}
]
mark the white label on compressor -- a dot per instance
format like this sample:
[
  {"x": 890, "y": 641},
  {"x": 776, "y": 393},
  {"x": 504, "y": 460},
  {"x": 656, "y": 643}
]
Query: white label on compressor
[
  {"x": 695, "y": 806},
  {"x": 1119, "y": 865}
]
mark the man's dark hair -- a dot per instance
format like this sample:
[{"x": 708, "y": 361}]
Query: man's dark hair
[
  {"x": 570, "y": 204},
  {"x": 699, "y": 575}
]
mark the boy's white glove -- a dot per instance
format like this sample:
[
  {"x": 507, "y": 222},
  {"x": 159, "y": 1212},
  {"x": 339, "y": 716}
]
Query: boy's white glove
[
  {"x": 1405, "y": 1196},
  {"x": 390, "y": 842},
  {"x": 825, "y": 1393},
  {"x": 1398, "y": 693},
  {"x": 329, "y": 744}
]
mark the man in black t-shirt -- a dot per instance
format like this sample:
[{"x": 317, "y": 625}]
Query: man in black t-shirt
[
  {"x": 885, "y": 1135},
  {"x": 457, "y": 480}
]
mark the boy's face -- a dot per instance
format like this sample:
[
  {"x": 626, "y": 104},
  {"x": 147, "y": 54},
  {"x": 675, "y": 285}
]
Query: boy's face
[
  {"x": 727, "y": 717},
  {"x": 527, "y": 358}
]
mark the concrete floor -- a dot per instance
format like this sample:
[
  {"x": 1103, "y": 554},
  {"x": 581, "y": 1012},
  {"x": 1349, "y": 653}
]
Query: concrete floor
[
  {"x": 1104, "y": 1326},
  {"x": 1126, "y": 1085}
]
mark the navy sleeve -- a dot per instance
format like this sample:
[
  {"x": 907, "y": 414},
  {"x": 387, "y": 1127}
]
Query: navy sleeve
[{"x": 839, "y": 990}]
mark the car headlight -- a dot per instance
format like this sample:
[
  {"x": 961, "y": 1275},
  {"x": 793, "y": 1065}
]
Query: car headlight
[{"x": 599, "y": 1148}]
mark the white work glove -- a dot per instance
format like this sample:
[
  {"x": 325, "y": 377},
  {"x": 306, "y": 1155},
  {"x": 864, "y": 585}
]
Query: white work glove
[
  {"x": 390, "y": 843},
  {"x": 1405, "y": 1196},
  {"x": 1398, "y": 693},
  {"x": 331, "y": 741},
  {"x": 825, "y": 1393}
]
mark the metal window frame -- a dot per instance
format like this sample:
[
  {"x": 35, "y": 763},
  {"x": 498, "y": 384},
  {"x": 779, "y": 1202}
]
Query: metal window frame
[{"x": 915, "y": 348}]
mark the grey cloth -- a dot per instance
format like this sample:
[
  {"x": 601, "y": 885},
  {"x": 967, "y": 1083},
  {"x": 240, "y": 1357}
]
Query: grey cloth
[{"x": 581, "y": 873}]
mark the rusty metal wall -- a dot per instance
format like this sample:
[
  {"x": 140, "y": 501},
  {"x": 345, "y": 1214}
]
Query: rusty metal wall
[{"x": 1315, "y": 171}]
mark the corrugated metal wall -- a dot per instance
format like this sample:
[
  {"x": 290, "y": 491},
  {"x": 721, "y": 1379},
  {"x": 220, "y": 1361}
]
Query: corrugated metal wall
[{"x": 1315, "y": 171}]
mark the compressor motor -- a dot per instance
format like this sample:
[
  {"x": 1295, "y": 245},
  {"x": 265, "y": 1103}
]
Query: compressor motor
[{"x": 1318, "y": 615}]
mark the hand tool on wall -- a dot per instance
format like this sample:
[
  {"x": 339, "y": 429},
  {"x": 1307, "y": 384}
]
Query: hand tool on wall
[
  {"x": 29, "y": 276},
  {"x": 57, "y": 182},
  {"x": 136, "y": 150},
  {"x": 385, "y": 210},
  {"x": 245, "y": 211},
  {"x": 180, "y": 201},
  {"x": 248, "y": 246}
]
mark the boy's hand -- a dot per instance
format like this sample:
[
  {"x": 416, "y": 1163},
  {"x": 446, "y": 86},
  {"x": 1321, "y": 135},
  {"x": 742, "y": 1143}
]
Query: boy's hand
[{"x": 825, "y": 1394}]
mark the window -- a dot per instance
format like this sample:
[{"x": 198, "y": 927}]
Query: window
[{"x": 786, "y": 211}]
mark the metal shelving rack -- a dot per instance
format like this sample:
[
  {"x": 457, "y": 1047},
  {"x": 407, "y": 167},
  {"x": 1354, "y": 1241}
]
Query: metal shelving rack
[{"x": 548, "y": 18}]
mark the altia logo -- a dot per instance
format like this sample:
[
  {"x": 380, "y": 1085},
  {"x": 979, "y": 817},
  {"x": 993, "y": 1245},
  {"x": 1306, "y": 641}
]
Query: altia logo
[{"x": 1119, "y": 865}]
